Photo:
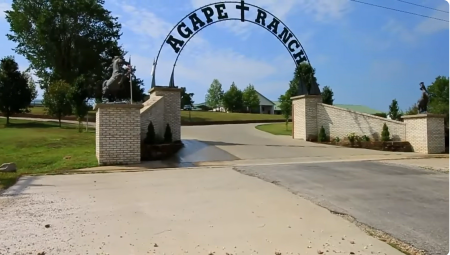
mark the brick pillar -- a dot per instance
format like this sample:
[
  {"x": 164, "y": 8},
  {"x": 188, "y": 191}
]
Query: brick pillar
[
  {"x": 304, "y": 116},
  {"x": 117, "y": 137},
  {"x": 425, "y": 132},
  {"x": 172, "y": 109}
]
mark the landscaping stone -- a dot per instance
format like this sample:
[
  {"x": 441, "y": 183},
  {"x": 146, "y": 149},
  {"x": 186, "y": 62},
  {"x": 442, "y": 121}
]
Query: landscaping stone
[{"x": 8, "y": 168}]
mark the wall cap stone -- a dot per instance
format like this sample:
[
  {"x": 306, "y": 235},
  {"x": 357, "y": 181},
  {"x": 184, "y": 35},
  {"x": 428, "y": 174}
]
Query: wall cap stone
[
  {"x": 103, "y": 106},
  {"x": 306, "y": 96},
  {"x": 164, "y": 89},
  {"x": 423, "y": 116}
]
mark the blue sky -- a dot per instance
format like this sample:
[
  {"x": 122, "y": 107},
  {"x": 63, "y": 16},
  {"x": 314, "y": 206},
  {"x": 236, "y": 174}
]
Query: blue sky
[{"x": 367, "y": 55}]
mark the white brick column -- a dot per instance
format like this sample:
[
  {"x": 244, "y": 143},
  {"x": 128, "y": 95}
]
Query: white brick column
[
  {"x": 117, "y": 136},
  {"x": 425, "y": 132},
  {"x": 304, "y": 116},
  {"x": 172, "y": 109}
]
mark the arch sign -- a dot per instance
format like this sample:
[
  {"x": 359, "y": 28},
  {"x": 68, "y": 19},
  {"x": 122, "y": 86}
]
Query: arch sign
[{"x": 213, "y": 13}]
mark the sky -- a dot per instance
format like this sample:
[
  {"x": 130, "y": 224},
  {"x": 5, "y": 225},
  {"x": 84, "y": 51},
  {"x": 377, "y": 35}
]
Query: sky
[{"x": 366, "y": 55}]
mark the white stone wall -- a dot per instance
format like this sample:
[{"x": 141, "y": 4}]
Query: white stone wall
[
  {"x": 172, "y": 111},
  {"x": 425, "y": 132},
  {"x": 153, "y": 111},
  {"x": 304, "y": 116},
  {"x": 118, "y": 134},
  {"x": 339, "y": 122}
]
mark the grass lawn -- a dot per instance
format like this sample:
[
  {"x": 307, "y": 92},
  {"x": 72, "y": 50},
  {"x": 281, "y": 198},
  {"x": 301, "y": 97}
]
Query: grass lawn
[
  {"x": 43, "y": 147},
  {"x": 276, "y": 128},
  {"x": 197, "y": 116}
]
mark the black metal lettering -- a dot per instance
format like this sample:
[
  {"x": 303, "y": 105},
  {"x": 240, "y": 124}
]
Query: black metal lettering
[
  {"x": 186, "y": 33},
  {"x": 273, "y": 26},
  {"x": 297, "y": 45},
  {"x": 220, "y": 11},
  {"x": 209, "y": 12},
  {"x": 197, "y": 23},
  {"x": 175, "y": 43},
  {"x": 285, "y": 36},
  {"x": 261, "y": 18},
  {"x": 300, "y": 57}
]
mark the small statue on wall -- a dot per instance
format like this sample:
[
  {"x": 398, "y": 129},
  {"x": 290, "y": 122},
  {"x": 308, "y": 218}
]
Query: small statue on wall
[
  {"x": 422, "y": 104},
  {"x": 112, "y": 86}
]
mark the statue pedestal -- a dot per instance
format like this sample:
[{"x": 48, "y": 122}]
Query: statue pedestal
[
  {"x": 425, "y": 132},
  {"x": 117, "y": 137}
]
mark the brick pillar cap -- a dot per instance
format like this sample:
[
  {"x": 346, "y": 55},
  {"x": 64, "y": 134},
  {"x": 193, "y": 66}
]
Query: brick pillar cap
[
  {"x": 164, "y": 89},
  {"x": 423, "y": 116},
  {"x": 306, "y": 96},
  {"x": 103, "y": 106}
]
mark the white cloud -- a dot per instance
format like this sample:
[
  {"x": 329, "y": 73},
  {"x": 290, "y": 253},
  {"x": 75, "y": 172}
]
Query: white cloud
[
  {"x": 397, "y": 29},
  {"x": 430, "y": 26},
  {"x": 3, "y": 7}
]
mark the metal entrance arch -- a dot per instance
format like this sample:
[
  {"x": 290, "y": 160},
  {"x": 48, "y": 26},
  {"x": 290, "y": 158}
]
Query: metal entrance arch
[{"x": 184, "y": 33}]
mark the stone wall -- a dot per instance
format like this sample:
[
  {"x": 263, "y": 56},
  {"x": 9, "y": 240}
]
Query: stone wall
[
  {"x": 425, "y": 132},
  {"x": 339, "y": 122},
  {"x": 153, "y": 111},
  {"x": 118, "y": 134},
  {"x": 304, "y": 115},
  {"x": 171, "y": 106}
]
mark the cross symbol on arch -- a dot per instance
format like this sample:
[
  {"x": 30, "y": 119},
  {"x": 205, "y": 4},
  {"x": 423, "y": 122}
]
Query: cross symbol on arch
[{"x": 243, "y": 8}]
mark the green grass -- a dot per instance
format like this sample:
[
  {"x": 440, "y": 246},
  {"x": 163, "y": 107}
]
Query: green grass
[
  {"x": 276, "y": 128},
  {"x": 43, "y": 148},
  {"x": 197, "y": 116}
]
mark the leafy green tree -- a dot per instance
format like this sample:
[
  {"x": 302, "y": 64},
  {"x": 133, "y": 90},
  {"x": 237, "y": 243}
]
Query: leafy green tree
[
  {"x": 57, "y": 100},
  {"x": 232, "y": 99},
  {"x": 215, "y": 94},
  {"x": 413, "y": 110},
  {"x": 327, "y": 95},
  {"x": 439, "y": 97},
  {"x": 186, "y": 98},
  {"x": 306, "y": 74},
  {"x": 65, "y": 40},
  {"x": 16, "y": 93},
  {"x": 250, "y": 98},
  {"x": 31, "y": 84},
  {"x": 394, "y": 111},
  {"x": 286, "y": 102}
]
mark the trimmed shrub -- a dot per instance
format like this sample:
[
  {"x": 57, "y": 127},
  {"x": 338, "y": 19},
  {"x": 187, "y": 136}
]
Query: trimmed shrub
[
  {"x": 150, "y": 137},
  {"x": 385, "y": 135},
  {"x": 322, "y": 135},
  {"x": 168, "y": 134}
]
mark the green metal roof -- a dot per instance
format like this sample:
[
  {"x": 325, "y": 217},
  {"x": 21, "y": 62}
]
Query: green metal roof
[{"x": 358, "y": 108}]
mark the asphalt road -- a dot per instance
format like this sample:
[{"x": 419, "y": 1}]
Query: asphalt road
[{"x": 409, "y": 203}]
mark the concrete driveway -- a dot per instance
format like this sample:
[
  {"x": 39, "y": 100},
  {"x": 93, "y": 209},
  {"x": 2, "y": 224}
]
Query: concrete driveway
[
  {"x": 409, "y": 203},
  {"x": 245, "y": 142},
  {"x": 189, "y": 211}
]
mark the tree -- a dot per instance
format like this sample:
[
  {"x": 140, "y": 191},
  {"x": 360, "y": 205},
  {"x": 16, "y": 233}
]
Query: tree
[
  {"x": 413, "y": 110},
  {"x": 31, "y": 84},
  {"x": 286, "y": 102},
  {"x": 15, "y": 92},
  {"x": 232, "y": 99},
  {"x": 327, "y": 95},
  {"x": 439, "y": 97},
  {"x": 215, "y": 95},
  {"x": 57, "y": 100},
  {"x": 306, "y": 74},
  {"x": 250, "y": 98},
  {"x": 168, "y": 134},
  {"x": 65, "y": 40},
  {"x": 186, "y": 98},
  {"x": 385, "y": 135},
  {"x": 394, "y": 112}
]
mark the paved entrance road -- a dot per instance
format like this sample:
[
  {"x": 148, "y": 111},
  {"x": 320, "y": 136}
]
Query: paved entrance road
[{"x": 409, "y": 203}]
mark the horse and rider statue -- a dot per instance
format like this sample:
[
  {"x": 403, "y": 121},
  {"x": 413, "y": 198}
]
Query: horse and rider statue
[
  {"x": 422, "y": 104},
  {"x": 112, "y": 86}
]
